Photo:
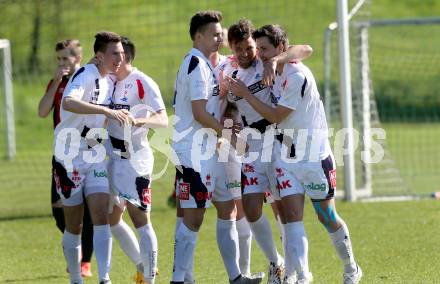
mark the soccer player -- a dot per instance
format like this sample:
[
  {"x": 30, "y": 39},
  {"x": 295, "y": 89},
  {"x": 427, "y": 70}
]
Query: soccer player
[
  {"x": 257, "y": 176},
  {"x": 131, "y": 163},
  {"x": 197, "y": 108},
  {"x": 69, "y": 55},
  {"x": 308, "y": 167},
  {"x": 79, "y": 165}
]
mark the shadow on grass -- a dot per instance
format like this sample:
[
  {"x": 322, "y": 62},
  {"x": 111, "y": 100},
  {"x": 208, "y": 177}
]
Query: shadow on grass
[
  {"x": 23, "y": 217},
  {"x": 30, "y": 280}
]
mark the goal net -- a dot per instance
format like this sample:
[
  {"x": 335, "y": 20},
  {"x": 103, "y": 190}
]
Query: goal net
[{"x": 395, "y": 68}]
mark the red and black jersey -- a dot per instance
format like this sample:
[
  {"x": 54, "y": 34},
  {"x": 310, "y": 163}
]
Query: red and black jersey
[{"x": 57, "y": 99}]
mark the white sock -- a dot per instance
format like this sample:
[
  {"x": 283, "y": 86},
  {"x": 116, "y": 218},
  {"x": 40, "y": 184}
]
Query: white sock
[
  {"x": 184, "y": 246},
  {"x": 72, "y": 250},
  {"x": 127, "y": 241},
  {"x": 262, "y": 232},
  {"x": 297, "y": 248},
  {"x": 282, "y": 230},
  {"x": 102, "y": 245},
  {"x": 227, "y": 241},
  {"x": 280, "y": 226},
  {"x": 149, "y": 250},
  {"x": 245, "y": 242},
  {"x": 189, "y": 273},
  {"x": 341, "y": 242}
]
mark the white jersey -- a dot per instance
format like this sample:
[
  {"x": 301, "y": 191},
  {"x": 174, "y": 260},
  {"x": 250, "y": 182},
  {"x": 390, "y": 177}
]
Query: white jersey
[
  {"x": 140, "y": 95},
  {"x": 87, "y": 85},
  {"x": 296, "y": 89},
  {"x": 252, "y": 78},
  {"x": 195, "y": 81}
]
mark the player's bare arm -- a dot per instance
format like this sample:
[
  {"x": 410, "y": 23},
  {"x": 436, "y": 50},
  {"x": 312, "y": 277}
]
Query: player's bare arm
[
  {"x": 158, "y": 119},
  {"x": 46, "y": 102},
  {"x": 78, "y": 106},
  {"x": 293, "y": 52},
  {"x": 273, "y": 115}
]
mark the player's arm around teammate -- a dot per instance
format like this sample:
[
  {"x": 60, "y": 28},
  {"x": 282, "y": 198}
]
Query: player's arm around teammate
[
  {"x": 85, "y": 94},
  {"x": 130, "y": 171},
  {"x": 299, "y": 107}
]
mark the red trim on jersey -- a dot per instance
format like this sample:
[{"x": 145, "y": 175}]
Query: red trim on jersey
[
  {"x": 57, "y": 99},
  {"x": 140, "y": 89}
]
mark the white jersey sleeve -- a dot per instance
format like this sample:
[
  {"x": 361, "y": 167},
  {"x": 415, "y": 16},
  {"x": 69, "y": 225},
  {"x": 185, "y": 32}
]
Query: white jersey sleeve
[
  {"x": 149, "y": 93},
  {"x": 198, "y": 81},
  {"x": 78, "y": 84},
  {"x": 293, "y": 87}
]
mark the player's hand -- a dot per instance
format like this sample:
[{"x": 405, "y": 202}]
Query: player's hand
[
  {"x": 237, "y": 87},
  {"x": 270, "y": 67},
  {"x": 60, "y": 72},
  {"x": 223, "y": 86},
  {"x": 120, "y": 115}
]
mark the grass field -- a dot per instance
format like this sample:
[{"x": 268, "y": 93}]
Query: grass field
[{"x": 393, "y": 242}]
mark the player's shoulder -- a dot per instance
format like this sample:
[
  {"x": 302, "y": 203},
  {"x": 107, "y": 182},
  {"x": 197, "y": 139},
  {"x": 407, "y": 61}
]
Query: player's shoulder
[
  {"x": 144, "y": 79},
  {"x": 85, "y": 73},
  {"x": 294, "y": 69}
]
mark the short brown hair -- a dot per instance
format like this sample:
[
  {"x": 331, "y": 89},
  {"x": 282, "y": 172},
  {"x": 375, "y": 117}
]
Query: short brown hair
[
  {"x": 73, "y": 45},
  {"x": 129, "y": 49},
  {"x": 201, "y": 19},
  {"x": 102, "y": 39},
  {"x": 275, "y": 33},
  {"x": 242, "y": 30}
]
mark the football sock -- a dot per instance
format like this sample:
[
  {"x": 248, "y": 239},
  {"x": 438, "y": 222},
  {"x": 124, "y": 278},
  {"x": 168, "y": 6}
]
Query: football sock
[
  {"x": 149, "y": 249},
  {"x": 227, "y": 241},
  {"x": 189, "y": 273},
  {"x": 245, "y": 242},
  {"x": 102, "y": 242},
  {"x": 127, "y": 241},
  {"x": 262, "y": 232},
  {"x": 297, "y": 249},
  {"x": 341, "y": 242},
  {"x": 184, "y": 245},
  {"x": 71, "y": 249}
]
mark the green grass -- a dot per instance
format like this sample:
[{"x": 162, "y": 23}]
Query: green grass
[{"x": 394, "y": 243}]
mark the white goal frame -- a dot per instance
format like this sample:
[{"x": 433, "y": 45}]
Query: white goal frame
[
  {"x": 5, "y": 48},
  {"x": 361, "y": 29}
]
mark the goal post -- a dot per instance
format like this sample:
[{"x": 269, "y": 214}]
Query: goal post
[
  {"x": 5, "y": 48},
  {"x": 395, "y": 68}
]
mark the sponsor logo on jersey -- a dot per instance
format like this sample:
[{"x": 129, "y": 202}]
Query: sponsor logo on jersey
[
  {"x": 203, "y": 196},
  {"x": 248, "y": 168},
  {"x": 332, "y": 175},
  {"x": 284, "y": 184},
  {"x": 273, "y": 99},
  {"x": 75, "y": 176},
  {"x": 256, "y": 87},
  {"x": 216, "y": 91},
  {"x": 250, "y": 181},
  {"x": 208, "y": 180},
  {"x": 233, "y": 184},
  {"x": 279, "y": 172},
  {"x": 315, "y": 186},
  {"x": 146, "y": 195},
  {"x": 99, "y": 174},
  {"x": 184, "y": 189}
]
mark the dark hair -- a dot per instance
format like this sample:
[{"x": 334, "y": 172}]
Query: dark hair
[
  {"x": 275, "y": 34},
  {"x": 73, "y": 45},
  {"x": 102, "y": 39},
  {"x": 201, "y": 19},
  {"x": 129, "y": 49},
  {"x": 242, "y": 30}
]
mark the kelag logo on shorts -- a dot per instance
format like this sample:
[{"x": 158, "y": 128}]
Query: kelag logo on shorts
[
  {"x": 233, "y": 184},
  {"x": 99, "y": 174},
  {"x": 315, "y": 186}
]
